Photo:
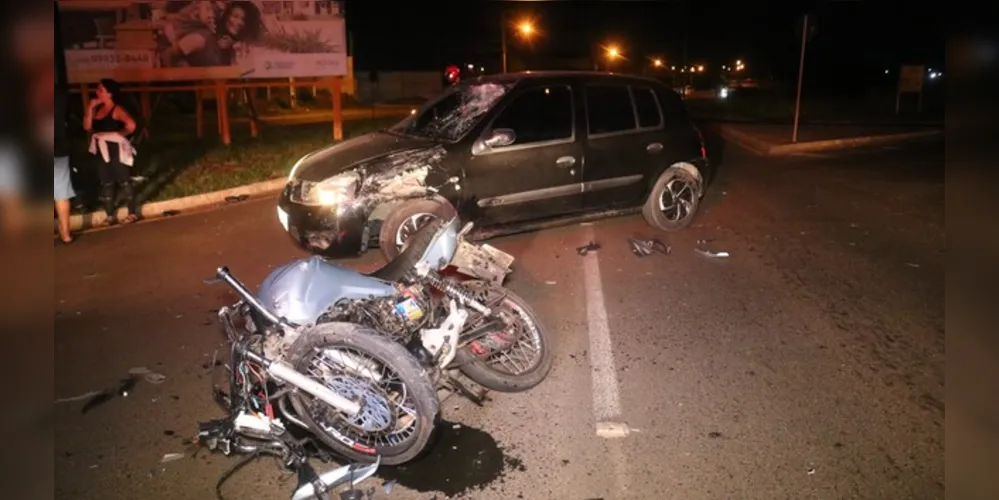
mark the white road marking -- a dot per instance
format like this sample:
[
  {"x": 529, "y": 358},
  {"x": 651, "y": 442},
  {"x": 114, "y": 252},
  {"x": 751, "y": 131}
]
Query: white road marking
[{"x": 606, "y": 400}]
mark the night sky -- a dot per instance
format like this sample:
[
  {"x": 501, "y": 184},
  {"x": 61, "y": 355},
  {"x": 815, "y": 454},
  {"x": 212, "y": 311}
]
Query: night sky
[{"x": 853, "y": 43}]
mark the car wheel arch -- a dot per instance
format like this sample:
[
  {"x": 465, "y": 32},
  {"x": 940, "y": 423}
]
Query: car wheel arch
[
  {"x": 678, "y": 165},
  {"x": 384, "y": 208}
]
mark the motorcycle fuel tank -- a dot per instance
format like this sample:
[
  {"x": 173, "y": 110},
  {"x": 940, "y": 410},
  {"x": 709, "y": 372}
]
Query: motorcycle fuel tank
[{"x": 302, "y": 289}]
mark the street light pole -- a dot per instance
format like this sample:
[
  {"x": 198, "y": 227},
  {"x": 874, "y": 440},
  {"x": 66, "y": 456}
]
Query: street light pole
[
  {"x": 503, "y": 36},
  {"x": 801, "y": 74}
]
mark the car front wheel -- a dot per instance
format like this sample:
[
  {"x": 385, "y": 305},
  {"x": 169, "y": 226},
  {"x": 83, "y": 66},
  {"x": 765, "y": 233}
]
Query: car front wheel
[
  {"x": 673, "y": 201},
  {"x": 403, "y": 221}
]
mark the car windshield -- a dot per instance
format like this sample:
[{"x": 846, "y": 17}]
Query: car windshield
[{"x": 452, "y": 115}]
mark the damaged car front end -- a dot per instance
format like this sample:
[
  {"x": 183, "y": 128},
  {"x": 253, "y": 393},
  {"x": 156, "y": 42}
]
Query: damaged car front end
[
  {"x": 331, "y": 216},
  {"x": 332, "y": 193}
]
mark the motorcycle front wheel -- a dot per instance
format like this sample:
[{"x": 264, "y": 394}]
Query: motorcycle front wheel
[
  {"x": 523, "y": 358},
  {"x": 399, "y": 406}
]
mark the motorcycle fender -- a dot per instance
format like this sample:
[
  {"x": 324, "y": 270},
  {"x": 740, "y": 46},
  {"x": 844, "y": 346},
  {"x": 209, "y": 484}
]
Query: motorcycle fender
[{"x": 482, "y": 261}]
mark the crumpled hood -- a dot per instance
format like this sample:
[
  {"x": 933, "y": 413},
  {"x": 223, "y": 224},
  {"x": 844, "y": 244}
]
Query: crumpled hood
[{"x": 368, "y": 150}]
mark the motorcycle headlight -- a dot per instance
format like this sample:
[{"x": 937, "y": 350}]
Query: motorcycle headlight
[{"x": 334, "y": 191}]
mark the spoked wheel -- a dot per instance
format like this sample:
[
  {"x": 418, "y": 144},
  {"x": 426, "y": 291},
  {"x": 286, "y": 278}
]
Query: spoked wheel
[
  {"x": 399, "y": 406},
  {"x": 511, "y": 359}
]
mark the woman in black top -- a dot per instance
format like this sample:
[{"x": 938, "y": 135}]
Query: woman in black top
[{"x": 104, "y": 115}]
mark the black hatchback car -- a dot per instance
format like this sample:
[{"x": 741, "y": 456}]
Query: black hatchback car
[{"x": 503, "y": 150}]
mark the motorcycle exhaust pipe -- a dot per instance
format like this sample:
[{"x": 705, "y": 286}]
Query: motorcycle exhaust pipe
[{"x": 286, "y": 373}]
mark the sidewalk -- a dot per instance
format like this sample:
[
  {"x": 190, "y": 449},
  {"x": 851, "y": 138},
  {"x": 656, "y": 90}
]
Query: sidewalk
[{"x": 776, "y": 139}]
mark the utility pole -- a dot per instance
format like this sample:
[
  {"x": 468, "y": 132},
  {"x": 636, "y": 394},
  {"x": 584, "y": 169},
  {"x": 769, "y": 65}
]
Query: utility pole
[
  {"x": 801, "y": 75},
  {"x": 503, "y": 35}
]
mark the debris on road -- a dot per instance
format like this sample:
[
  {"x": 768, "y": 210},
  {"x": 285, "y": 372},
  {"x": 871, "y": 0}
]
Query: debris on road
[
  {"x": 811, "y": 471},
  {"x": 388, "y": 486},
  {"x": 106, "y": 395},
  {"x": 587, "y": 248},
  {"x": 170, "y": 213},
  {"x": 550, "y": 282},
  {"x": 613, "y": 430},
  {"x": 910, "y": 264},
  {"x": 150, "y": 376},
  {"x": 81, "y": 397},
  {"x": 171, "y": 457},
  {"x": 645, "y": 247},
  {"x": 89, "y": 276},
  {"x": 713, "y": 255},
  {"x": 233, "y": 199}
]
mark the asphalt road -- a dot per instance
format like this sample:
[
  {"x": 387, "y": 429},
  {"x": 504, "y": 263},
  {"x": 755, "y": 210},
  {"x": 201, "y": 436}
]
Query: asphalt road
[{"x": 808, "y": 364}]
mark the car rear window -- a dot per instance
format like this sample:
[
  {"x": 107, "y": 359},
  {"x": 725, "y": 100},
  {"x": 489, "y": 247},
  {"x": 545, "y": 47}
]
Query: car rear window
[
  {"x": 673, "y": 107},
  {"x": 609, "y": 109},
  {"x": 647, "y": 107}
]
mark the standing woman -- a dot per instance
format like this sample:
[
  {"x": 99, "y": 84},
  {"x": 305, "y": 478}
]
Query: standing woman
[{"x": 109, "y": 125}]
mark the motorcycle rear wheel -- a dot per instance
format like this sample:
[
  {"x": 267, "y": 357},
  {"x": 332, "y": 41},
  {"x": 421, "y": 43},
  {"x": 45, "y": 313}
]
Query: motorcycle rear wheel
[
  {"x": 502, "y": 378},
  {"x": 414, "y": 425}
]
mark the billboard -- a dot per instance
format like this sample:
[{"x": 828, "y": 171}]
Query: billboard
[
  {"x": 910, "y": 78},
  {"x": 164, "y": 40}
]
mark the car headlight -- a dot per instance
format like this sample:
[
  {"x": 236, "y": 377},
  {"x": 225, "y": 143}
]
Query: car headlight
[{"x": 334, "y": 191}]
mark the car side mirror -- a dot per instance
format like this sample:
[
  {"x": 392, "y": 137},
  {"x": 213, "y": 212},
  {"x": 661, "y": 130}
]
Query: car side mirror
[{"x": 496, "y": 139}]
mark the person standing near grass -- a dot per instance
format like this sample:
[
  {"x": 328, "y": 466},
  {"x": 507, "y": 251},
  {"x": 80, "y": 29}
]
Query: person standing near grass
[
  {"x": 63, "y": 184},
  {"x": 109, "y": 125}
]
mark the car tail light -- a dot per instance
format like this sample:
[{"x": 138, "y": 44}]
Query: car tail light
[{"x": 700, "y": 138}]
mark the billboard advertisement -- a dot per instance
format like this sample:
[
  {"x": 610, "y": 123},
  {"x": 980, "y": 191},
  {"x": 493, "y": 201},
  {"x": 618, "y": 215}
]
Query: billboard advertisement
[{"x": 170, "y": 40}]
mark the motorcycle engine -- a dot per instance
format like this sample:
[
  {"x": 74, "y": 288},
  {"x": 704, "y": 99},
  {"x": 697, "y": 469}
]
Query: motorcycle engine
[{"x": 398, "y": 316}]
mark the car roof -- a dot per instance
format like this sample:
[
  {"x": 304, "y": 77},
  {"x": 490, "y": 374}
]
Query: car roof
[{"x": 585, "y": 76}]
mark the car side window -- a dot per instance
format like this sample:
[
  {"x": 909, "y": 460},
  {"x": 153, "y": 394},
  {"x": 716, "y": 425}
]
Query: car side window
[
  {"x": 538, "y": 115},
  {"x": 609, "y": 109},
  {"x": 647, "y": 107}
]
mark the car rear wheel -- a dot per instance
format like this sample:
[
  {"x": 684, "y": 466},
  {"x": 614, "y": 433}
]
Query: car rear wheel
[
  {"x": 405, "y": 220},
  {"x": 673, "y": 201}
]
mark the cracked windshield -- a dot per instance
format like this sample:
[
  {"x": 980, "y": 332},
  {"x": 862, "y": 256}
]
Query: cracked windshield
[{"x": 513, "y": 250}]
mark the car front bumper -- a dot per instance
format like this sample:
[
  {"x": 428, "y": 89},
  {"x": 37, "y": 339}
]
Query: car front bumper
[{"x": 327, "y": 231}]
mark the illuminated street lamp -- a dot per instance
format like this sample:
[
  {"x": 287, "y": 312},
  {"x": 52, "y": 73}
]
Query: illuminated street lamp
[
  {"x": 658, "y": 63},
  {"x": 613, "y": 53},
  {"x": 525, "y": 28},
  {"x": 700, "y": 68}
]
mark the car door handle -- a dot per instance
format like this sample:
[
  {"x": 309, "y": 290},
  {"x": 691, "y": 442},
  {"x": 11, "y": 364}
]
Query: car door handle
[
  {"x": 654, "y": 147},
  {"x": 565, "y": 161}
]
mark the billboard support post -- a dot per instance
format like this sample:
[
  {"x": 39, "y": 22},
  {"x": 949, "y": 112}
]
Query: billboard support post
[
  {"x": 199, "y": 112},
  {"x": 337, "y": 108}
]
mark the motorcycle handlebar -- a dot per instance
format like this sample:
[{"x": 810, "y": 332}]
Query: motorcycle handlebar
[{"x": 224, "y": 274}]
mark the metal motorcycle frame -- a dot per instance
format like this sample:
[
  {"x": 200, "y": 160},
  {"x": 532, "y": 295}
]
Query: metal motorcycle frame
[
  {"x": 256, "y": 431},
  {"x": 290, "y": 290},
  {"x": 274, "y": 319}
]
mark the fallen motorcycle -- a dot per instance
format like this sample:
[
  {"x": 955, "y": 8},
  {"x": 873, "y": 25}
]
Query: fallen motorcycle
[
  {"x": 466, "y": 323},
  {"x": 345, "y": 375}
]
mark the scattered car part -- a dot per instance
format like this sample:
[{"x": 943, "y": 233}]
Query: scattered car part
[{"x": 587, "y": 248}]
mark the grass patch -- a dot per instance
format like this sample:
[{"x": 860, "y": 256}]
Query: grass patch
[
  {"x": 254, "y": 160},
  {"x": 175, "y": 164}
]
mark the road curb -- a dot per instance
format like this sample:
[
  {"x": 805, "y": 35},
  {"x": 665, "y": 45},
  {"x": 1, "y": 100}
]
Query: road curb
[
  {"x": 764, "y": 148},
  {"x": 156, "y": 209},
  {"x": 851, "y": 142},
  {"x": 745, "y": 140}
]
